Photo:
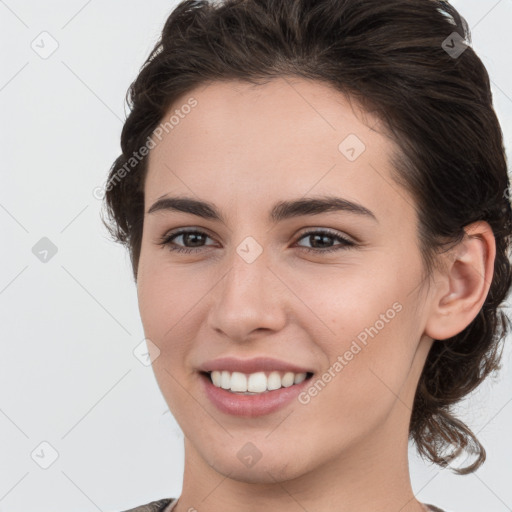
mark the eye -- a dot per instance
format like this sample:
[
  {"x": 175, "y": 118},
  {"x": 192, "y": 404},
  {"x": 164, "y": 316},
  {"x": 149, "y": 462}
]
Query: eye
[
  {"x": 189, "y": 235},
  {"x": 319, "y": 236},
  {"x": 196, "y": 238}
]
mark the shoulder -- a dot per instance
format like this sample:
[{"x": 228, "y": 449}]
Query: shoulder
[{"x": 154, "y": 506}]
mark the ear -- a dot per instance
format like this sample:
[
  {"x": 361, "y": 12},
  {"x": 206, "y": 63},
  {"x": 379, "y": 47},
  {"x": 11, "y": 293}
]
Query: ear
[{"x": 463, "y": 285}]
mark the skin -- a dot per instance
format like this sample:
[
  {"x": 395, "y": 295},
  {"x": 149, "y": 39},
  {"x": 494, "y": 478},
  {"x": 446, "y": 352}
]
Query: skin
[{"x": 243, "y": 148}]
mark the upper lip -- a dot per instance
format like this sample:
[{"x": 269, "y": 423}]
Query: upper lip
[{"x": 248, "y": 366}]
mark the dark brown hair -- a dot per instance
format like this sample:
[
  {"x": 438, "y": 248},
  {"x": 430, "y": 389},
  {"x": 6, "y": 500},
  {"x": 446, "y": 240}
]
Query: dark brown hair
[{"x": 398, "y": 59}]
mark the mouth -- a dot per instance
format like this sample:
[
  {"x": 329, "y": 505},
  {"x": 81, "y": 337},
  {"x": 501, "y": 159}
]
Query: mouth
[
  {"x": 257, "y": 383},
  {"x": 236, "y": 399}
]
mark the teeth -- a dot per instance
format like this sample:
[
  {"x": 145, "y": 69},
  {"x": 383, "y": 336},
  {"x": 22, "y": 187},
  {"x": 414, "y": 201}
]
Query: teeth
[{"x": 254, "y": 383}]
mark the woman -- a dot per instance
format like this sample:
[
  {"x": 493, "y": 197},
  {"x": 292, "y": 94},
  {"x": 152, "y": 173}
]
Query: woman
[{"x": 315, "y": 199}]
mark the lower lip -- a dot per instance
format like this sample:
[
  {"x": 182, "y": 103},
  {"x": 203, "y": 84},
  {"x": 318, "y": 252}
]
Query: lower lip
[{"x": 251, "y": 405}]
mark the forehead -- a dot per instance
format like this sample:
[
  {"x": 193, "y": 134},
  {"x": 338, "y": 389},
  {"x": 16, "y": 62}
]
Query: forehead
[{"x": 256, "y": 144}]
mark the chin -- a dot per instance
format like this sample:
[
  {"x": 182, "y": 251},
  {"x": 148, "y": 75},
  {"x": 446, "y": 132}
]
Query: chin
[{"x": 278, "y": 468}]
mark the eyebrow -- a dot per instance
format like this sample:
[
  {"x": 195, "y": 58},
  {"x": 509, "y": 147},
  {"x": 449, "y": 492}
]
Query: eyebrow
[{"x": 281, "y": 210}]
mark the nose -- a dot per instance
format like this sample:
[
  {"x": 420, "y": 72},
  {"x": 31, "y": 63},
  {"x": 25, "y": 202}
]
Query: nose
[{"x": 249, "y": 298}]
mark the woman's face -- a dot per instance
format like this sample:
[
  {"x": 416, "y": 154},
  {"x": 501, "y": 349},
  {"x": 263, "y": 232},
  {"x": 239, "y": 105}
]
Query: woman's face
[{"x": 354, "y": 317}]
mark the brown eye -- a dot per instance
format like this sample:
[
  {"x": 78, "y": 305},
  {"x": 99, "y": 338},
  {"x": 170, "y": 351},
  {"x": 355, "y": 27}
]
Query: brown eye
[
  {"x": 194, "y": 241},
  {"x": 319, "y": 237},
  {"x": 189, "y": 236}
]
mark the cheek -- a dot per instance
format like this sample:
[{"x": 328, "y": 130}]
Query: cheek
[
  {"x": 367, "y": 332},
  {"x": 172, "y": 309},
  {"x": 167, "y": 295},
  {"x": 346, "y": 300},
  {"x": 365, "y": 377},
  {"x": 164, "y": 301}
]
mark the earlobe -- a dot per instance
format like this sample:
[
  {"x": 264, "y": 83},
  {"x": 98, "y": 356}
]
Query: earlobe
[{"x": 465, "y": 283}]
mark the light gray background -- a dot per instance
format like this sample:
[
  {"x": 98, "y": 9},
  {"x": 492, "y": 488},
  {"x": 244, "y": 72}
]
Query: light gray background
[{"x": 68, "y": 375}]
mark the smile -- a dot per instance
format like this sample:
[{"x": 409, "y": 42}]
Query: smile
[
  {"x": 255, "y": 383},
  {"x": 237, "y": 400}
]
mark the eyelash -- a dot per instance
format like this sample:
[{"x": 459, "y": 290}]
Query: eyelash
[{"x": 166, "y": 240}]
